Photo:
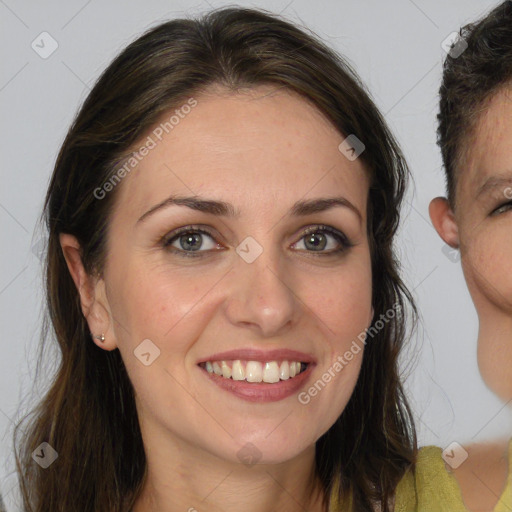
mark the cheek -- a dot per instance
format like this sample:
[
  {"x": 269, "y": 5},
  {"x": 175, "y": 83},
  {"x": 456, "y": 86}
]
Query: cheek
[
  {"x": 342, "y": 300},
  {"x": 155, "y": 300},
  {"x": 343, "y": 306},
  {"x": 488, "y": 268},
  {"x": 344, "y": 313},
  {"x": 167, "y": 307}
]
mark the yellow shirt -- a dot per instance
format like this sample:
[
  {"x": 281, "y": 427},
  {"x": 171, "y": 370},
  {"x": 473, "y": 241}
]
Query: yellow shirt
[{"x": 434, "y": 489}]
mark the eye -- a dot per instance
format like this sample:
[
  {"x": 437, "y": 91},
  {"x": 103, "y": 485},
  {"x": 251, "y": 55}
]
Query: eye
[
  {"x": 189, "y": 240},
  {"x": 502, "y": 208},
  {"x": 316, "y": 239}
]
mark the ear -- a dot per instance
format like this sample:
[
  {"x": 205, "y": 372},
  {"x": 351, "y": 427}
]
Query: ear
[
  {"x": 443, "y": 219},
  {"x": 91, "y": 289}
]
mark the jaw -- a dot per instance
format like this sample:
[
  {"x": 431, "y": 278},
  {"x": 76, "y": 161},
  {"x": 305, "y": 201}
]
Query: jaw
[{"x": 495, "y": 353}]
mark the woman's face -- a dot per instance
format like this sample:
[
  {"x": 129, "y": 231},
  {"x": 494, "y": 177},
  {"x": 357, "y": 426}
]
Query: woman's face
[
  {"x": 247, "y": 284},
  {"x": 482, "y": 226}
]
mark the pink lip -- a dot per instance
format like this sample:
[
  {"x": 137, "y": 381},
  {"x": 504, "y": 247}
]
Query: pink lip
[
  {"x": 261, "y": 392},
  {"x": 260, "y": 355}
]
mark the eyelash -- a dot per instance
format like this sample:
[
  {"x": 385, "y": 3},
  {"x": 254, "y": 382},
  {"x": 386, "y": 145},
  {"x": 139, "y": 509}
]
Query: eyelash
[
  {"x": 495, "y": 211},
  {"x": 171, "y": 237}
]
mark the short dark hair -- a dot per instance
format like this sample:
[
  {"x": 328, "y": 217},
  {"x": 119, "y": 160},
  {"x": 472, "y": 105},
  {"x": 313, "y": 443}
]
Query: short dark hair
[{"x": 470, "y": 80}]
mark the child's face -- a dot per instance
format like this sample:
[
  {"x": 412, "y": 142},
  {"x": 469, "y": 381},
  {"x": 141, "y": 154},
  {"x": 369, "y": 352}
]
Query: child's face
[{"x": 481, "y": 225}]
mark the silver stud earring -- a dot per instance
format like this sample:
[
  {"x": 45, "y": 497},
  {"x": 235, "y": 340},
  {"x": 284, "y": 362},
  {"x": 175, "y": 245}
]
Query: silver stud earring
[{"x": 100, "y": 337}]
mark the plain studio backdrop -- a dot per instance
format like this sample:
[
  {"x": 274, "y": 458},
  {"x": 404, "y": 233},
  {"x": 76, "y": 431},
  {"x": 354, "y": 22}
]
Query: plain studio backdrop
[{"x": 396, "y": 46}]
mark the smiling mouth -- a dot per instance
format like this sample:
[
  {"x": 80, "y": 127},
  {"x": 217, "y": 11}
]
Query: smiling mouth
[{"x": 269, "y": 372}]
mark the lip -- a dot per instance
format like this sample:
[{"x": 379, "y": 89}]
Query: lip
[
  {"x": 262, "y": 356},
  {"x": 261, "y": 391}
]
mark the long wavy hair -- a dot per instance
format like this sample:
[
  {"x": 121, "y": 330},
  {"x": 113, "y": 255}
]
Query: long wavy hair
[{"x": 88, "y": 413}]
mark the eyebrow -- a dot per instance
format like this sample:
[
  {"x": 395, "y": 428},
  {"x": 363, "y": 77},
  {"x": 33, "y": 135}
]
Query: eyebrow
[
  {"x": 494, "y": 182},
  {"x": 299, "y": 209}
]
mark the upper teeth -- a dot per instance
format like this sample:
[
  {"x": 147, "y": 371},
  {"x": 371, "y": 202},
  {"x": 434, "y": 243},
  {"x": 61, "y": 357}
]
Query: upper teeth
[{"x": 254, "y": 371}]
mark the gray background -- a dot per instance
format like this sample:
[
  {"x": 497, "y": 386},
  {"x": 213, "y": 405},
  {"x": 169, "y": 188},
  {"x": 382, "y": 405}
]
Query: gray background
[{"x": 396, "y": 48}]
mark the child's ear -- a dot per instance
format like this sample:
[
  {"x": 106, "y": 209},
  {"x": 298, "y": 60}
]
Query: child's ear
[
  {"x": 443, "y": 219},
  {"x": 92, "y": 294}
]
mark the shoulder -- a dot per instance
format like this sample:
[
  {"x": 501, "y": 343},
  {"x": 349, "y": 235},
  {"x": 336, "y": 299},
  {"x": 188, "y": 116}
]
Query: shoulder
[
  {"x": 428, "y": 485},
  {"x": 483, "y": 475},
  {"x": 474, "y": 478}
]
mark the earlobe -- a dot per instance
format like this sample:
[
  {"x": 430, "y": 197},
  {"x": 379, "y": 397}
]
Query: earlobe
[
  {"x": 88, "y": 288},
  {"x": 443, "y": 220}
]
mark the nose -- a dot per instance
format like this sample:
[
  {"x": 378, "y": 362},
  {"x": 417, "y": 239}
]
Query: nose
[{"x": 262, "y": 297}]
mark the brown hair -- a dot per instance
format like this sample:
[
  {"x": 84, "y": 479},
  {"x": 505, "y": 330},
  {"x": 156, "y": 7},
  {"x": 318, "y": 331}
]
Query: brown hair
[
  {"x": 88, "y": 415},
  {"x": 470, "y": 80}
]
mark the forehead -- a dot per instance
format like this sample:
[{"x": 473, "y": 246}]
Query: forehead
[
  {"x": 490, "y": 148},
  {"x": 263, "y": 144}
]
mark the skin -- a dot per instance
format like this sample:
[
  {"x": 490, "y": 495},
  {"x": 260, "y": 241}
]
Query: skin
[
  {"x": 261, "y": 150},
  {"x": 479, "y": 225}
]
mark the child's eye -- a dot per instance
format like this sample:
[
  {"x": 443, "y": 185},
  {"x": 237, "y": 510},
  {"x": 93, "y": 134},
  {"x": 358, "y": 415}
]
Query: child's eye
[{"x": 502, "y": 208}]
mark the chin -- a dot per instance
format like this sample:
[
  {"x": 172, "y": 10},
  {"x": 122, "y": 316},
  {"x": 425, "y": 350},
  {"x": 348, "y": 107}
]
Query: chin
[
  {"x": 261, "y": 450},
  {"x": 501, "y": 388}
]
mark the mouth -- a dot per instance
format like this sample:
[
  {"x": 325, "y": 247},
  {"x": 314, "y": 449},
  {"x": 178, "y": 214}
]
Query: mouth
[
  {"x": 269, "y": 372},
  {"x": 259, "y": 376}
]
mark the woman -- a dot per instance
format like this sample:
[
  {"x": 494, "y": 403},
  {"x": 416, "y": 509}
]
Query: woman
[
  {"x": 222, "y": 285},
  {"x": 475, "y": 129}
]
